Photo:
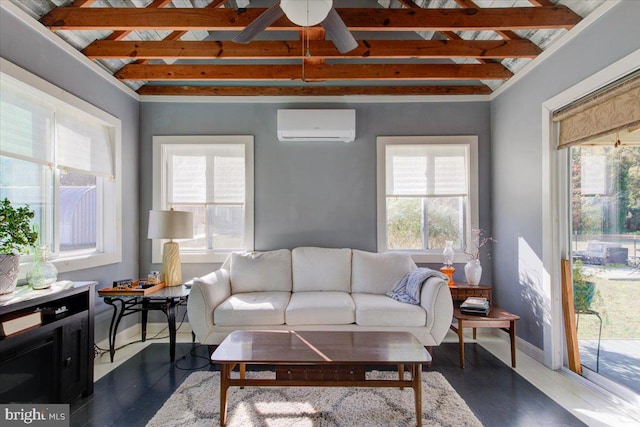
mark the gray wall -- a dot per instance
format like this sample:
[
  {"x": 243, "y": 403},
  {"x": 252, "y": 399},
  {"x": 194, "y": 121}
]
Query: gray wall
[
  {"x": 324, "y": 194},
  {"x": 516, "y": 124},
  {"x": 28, "y": 49},
  {"x": 316, "y": 194}
]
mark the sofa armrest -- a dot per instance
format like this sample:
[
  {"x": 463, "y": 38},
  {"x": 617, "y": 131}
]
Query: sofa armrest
[
  {"x": 207, "y": 293},
  {"x": 435, "y": 298}
]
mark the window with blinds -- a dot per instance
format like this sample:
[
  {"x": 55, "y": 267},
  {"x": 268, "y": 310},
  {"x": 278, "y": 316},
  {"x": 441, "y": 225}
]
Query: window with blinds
[
  {"x": 426, "y": 198},
  {"x": 60, "y": 160},
  {"x": 212, "y": 178}
]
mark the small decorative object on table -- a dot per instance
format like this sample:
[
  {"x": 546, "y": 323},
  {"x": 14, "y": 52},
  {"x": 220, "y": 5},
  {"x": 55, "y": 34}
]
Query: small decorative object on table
[
  {"x": 473, "y": 268},
  {"x": 447, "y": 256},
  {"x": 43, "y": 273},
  {"x": 154, "y": 277},
  {"x": 122, "y": 284}
]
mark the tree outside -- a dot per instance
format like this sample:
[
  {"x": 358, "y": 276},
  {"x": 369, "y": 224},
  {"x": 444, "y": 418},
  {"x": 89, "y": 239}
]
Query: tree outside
[{"x": 406, "y": 219}]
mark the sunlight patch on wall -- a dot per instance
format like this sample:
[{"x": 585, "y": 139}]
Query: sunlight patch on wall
[{"x": 535, "y": 295}]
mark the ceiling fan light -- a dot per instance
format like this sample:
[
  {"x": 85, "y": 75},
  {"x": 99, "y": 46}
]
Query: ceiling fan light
[{"x": 306, "y": 13}]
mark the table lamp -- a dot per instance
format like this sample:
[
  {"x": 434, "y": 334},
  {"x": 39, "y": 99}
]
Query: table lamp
[
  {"x": 171, "y": 225},
  {"x": 447, "y": 256}
]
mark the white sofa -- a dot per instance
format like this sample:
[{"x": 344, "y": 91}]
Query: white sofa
[{"x": 313, "y": 288}]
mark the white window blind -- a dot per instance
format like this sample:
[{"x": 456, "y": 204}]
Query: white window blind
[
  {"x": 426, "y": 171},
  {"x": 188, "y": 179},
  {"x": 214, "y": 174},
  {"x": 27, "y": 123},
  {"x": 82, "y": 144},
  {"x": 228, "y": 180}
]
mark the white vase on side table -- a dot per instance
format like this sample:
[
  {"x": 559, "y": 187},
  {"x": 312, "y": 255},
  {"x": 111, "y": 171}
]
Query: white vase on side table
[{"x": 473, "y": 272}]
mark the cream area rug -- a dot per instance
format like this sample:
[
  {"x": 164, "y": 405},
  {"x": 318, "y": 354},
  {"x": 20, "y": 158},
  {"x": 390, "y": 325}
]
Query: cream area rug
[{"x": 197, "y": 401}]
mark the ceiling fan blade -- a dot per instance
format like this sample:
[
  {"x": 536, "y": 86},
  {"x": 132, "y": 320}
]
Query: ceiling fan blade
[
  {"x": 338, "y": 32},
  {"x": 260, "y": 24}
]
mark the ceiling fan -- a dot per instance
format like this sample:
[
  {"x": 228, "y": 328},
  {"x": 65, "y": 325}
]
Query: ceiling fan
[{"x": 305, "y": 13}]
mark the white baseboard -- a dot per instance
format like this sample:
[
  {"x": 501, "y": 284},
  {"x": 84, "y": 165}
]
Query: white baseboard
[{"x": 524, "y": 346}]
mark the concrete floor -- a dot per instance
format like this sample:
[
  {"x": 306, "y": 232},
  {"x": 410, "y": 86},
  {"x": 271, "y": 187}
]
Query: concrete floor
[{"x": 619, "y": 360}]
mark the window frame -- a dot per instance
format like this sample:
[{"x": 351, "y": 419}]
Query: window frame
[
  {"x": 161, "y": 185},
  {"x": 108, "y": 250},
  {"x": 472, "y": 219}
]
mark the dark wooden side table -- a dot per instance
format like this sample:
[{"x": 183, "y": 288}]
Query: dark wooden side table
[
  {"x": 166, "y": 300},
  {"x": 462, "y": 291},
  {"x": 497, "y": 318}
]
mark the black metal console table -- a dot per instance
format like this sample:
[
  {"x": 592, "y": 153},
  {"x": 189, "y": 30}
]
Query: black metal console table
[{"x": 165, "y": 300}]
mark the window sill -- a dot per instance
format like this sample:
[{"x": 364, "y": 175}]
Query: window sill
[
  {"x": 197, "y": 258},
  {"x": 79, "y": 262},
  {"x": 432, "y": 257}
]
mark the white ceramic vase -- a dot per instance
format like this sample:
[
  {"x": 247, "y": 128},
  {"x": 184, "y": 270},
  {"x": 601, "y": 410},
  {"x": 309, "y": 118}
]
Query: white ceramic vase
[
  {"x": 8, "y": 273},
  {"x": 473, "y": 272}
]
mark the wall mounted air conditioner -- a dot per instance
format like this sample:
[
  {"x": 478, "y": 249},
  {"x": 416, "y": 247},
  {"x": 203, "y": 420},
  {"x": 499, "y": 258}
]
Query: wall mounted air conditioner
[{"x": 317, "y": 125}]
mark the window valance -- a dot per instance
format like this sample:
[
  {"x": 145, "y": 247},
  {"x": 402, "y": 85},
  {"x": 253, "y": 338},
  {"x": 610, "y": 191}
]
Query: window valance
[{"x": 614, "y": 109}]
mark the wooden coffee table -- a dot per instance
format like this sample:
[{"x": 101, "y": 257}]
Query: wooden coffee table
[{"x": 320, "y": 359}]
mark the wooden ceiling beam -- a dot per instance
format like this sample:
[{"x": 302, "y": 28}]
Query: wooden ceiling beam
[
  {"x": 82, "y": 3},
  {"x": 505, "y": 34},
  {"x": 175, "y": 35},
  {"x": 216, "y": 3},
  {"x": 73, "y": 18},
  {"x": 483, "y": 59},
  {"x": 404, "y": 49},
  {"x": 409, "y": 4},
  {"x": 119, "y": 35},
  {"x": 310, "y": 90},
  {"x": 467, "y": 3},
  {"x": 159, "y": 3},
  {"x": 508, "y": 35},
  {"x": 542, "y": 3},
  {"x": 323, "y": 72}
]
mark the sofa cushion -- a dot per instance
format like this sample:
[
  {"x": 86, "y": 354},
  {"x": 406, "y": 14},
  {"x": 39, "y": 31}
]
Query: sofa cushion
[
  {"x": 321, "y": 269},
  {"x": 374, "y": 273},
  {"x": 252, "y": 309},
  {"x": 261, "y": 271},
  {"x": 380, "y": 310},
  {"x": 320, "y": 308}
]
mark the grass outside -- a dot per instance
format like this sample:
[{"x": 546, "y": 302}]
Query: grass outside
[{"x": 617, "y": 303}]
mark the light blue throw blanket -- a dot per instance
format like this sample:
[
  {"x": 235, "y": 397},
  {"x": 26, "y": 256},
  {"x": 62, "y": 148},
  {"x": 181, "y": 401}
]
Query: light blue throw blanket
[{"x": 408, "y": 289}]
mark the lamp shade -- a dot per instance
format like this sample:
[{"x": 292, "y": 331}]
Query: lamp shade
[{"x": 170, "y": 225}]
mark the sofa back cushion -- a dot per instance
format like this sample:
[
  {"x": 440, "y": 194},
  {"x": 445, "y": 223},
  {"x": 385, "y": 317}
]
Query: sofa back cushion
[
  {"x": 374, "y": 273},
  {"x": 321, "y": 269},
  {"x": 261, "y": 271}
]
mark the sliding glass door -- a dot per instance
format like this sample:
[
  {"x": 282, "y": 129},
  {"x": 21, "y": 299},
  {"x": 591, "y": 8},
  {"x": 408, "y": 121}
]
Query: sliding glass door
[{"x": 604, "y": 222}]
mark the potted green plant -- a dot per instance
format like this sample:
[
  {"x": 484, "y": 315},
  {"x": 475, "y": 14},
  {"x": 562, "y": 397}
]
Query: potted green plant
[
  {"x": 16, "y": 237},
  {"x": 584, "y": 290}
]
